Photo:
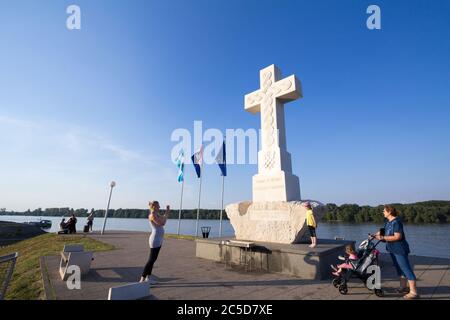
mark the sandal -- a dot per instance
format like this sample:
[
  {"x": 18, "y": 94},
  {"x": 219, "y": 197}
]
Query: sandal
[
  {"x": 402, "y": 290},
  {"x": 411, "y": 296}
]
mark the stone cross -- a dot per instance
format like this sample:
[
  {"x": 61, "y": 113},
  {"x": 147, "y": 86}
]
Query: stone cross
[{"x": 274, "y": 181}]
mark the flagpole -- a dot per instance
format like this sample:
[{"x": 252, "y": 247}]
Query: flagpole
[
  {"x": 199, "y": 194},
  {"x": 221, "y": 210},
  {"x": 181, "y": 206}
]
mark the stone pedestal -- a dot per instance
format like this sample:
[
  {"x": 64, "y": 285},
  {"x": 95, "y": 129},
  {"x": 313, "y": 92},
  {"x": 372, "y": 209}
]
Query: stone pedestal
[
  {"x": 279, "y": 186},
  {"x": 275, "y": 221},
  {"x": 296, "y": 260}
]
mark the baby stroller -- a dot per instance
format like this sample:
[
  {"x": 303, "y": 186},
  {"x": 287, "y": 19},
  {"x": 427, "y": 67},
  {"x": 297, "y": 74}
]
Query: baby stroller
[{"x": 367, "y": 256}]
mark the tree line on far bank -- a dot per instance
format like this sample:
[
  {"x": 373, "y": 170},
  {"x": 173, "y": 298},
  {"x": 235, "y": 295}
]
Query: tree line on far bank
[
  {"x": 420, "y": 212},
  {"x": 116, "y": 213}
]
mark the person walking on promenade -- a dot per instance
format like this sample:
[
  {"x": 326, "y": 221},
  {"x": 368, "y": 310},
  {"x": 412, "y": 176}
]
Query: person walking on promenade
[{"x": 398, "y": 247}]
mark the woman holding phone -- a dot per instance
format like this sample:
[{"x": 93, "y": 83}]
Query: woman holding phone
[{"x": 157, "y": 221}]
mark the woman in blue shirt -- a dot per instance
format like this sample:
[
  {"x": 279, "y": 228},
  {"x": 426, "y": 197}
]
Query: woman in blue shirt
[{"x": 398, "y": 248}]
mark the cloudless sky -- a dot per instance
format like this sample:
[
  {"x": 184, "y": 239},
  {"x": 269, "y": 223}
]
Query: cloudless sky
[{"x": 81, "y": 108}]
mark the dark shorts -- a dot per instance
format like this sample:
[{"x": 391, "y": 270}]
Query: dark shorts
[{"x": 312, "y": 231}]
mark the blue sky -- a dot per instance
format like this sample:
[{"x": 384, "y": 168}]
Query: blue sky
[{"x": 81, "y": 108}]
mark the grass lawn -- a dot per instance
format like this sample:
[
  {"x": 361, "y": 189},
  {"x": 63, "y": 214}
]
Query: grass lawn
[
  {"x": 181, "y": 236},
  {"x": 27, "y": 282}
]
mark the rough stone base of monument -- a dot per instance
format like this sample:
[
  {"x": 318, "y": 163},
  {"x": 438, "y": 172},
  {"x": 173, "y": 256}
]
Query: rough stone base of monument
[
  {"x": 277, "y": 221},
  {"x": 293, "y": 259}
]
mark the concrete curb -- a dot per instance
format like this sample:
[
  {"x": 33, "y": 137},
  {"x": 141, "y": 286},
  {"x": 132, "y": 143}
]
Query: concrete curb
[{"x": 48, "y": 289}]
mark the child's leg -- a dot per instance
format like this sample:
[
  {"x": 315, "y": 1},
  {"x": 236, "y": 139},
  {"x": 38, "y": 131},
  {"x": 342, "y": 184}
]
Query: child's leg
[
  {"x": 344, "y": 266},
  {"x": 312, "y": 232},
  {"x": 338, "y": 272}
]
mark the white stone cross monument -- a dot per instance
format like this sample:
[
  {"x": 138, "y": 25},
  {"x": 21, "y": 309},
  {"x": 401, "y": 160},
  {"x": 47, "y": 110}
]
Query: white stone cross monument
[
  {"x": 276, "y": 213},
  {"x": 274, "y": 181}
]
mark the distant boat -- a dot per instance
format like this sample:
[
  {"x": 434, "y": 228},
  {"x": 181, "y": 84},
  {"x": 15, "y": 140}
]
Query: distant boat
[{"x": 44, "y": 224}]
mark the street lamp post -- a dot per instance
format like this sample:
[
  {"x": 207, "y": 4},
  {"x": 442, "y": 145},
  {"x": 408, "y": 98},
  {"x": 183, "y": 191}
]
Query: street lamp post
[{"x": 112, "y": 185}]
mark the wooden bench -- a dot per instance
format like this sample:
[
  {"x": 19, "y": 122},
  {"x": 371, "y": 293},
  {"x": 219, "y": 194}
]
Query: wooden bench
[
  {"x": 131, "y": 291},
  {"x": 74, "y": 255}
]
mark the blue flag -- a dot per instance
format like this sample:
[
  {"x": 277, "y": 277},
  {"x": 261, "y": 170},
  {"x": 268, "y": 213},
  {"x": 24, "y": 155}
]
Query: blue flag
[
  {"x": 221, "y": 160},
  {"x": 197, "y": 159},
  {"x": 180, "y": 164}
]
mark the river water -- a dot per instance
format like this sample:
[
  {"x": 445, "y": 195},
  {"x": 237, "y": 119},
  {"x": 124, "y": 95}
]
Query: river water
[{"x": 430, "y": 240}]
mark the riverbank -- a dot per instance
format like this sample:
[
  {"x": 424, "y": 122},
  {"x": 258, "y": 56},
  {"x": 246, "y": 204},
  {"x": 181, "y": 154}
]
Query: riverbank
[
  {"x": 12, "y": 232},
  {"x": 433, "y": 211},
  {"x": 27, "y": 282}
]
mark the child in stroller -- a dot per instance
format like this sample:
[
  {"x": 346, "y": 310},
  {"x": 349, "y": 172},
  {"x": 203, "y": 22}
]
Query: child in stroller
[
  {"x": 366, "y": 256},
  {"x": 350, "y": 261}
]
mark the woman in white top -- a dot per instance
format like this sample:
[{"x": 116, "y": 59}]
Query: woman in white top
[{"x": 157, "y": 222}]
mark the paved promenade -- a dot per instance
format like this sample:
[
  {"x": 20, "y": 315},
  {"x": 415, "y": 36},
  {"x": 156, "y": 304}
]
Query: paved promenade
[{"x": 182, "y": 276}]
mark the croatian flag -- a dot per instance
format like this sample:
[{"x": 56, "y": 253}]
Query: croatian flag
[
  {"x": 180, "y": 164},
  {"x": 197, "y": 160},
  {"x": 221, "y": 160}
]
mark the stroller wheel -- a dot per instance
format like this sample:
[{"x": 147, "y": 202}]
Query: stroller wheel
[
  {"x": 379, "y": 293},
  {"x": 343, "y": 289},
  {"x": 337, "y": 282}
]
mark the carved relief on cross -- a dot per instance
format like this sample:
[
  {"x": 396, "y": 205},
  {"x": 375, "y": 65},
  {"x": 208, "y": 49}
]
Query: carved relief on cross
[{"x": 269, "y": 100}]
